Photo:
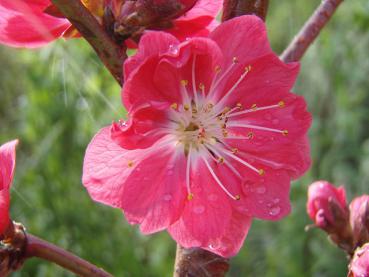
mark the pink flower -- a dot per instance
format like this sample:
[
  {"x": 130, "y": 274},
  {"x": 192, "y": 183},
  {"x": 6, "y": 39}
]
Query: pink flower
[
  {"x": 322, "y": 198},
  {"x": 24, "y": 23},
  {"x": 30, "y": 23},
  {"x": 7, "y": 166},
  {"x": 359, "y": 266},
  {"x": 198, "y": 21},
  {"x": 213, "y": 139},
  {"x": 359, "y": 219}
]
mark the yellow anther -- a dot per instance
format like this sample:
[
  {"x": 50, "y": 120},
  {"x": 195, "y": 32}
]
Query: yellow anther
[
  {"x": 226, "y": 110},
  {"x": 184, "y": 82},
  {"x": 220, "y": 160},
  {"x": 237, "y": 197},
  {"x": 285, "y": 132},
  {"x": 250, "y": 135},
  {"x": 239, "y": 105},
  {"x": 281, "y": 104},
  {"x": 248, "y": 68},
  {"x": 174, "y": 106},
  {"x": 234, "y": 150},
  {"x": 201, "y": 86},
  {"x": 261, "y": 172},
  {"x": 130, "y": 163},
  {"x": 254, "y": 107},
  {"x": 190, "y": 197},
  {"x": 235, "y": 60},
  {"x": 186, "y": 107},
  {"x": 217, "y": 69},
  {"x": 194, "y": 110},
  {"x": 225, "y": 133}
]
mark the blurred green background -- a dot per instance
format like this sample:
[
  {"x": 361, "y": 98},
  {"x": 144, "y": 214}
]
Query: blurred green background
[{"x": 55, "y": 99}]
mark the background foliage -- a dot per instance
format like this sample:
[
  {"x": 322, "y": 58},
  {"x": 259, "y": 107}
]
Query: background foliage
[{"x": 56, "y": 98}]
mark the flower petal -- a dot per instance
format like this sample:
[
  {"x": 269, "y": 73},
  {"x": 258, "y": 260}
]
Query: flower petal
[
  {"x": 233, "y": 238},
  {"x": 151, "y": 44},
  {"x": 243, "y": 37},
  {"x": 105, "y": 169},
  {"x": 25, "y": 25},
  {"x": 205, "y": 217},
  {"x": 4, "y": 209},
  {"x": 7, "y": 163},
  {"x": 155, "y": 191}
]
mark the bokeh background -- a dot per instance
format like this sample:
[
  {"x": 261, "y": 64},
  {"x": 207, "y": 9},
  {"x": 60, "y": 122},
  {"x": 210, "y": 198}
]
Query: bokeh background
[{"x": 56, "y": 98}]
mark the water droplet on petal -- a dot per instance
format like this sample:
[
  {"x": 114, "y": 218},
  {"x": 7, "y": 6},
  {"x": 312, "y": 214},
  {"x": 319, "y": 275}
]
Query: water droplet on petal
[
  {"x": 260, "y": 190},
  {"x": 173, "y": 49},
  {"x": 276, "y": 200},
  {"x": 275, "y": 121},
  {"x": 213, "y": 197},
  {"x": 167, "y": 197},
  {"x": 275, "y": 211},
  {"x": 199, "y": 209}
]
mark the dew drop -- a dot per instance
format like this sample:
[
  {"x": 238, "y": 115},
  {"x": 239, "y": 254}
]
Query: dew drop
[
  {"x": 276, "y": 200},
  {"x": 275, "y": 210},
  {"x": 213, "y": 197},
  {"x": 261, "y": 190},
  {"x": 167, "y": 197},
  {"x": 173, "y": 49},
  {"x": 199, "y": 209},
  {"x": 268, "y": 116},
  {"x": 275, "y": 121}
]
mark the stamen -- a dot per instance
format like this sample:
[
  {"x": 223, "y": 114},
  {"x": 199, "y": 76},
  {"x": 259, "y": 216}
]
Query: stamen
[
  {"x": 236, "y": 197},
  {"x": 243, "y": 75},
  {"x": 217, "y": 69},
  {"x": 225, "y": 161},
  {"x": 188, "y": 170},
  {"x": 254, "y": 108},
  {"x": 284, "y": 132},
  {"x": 202, "y": 88},
  {"x": 186, "y": 107},
  {"x": 241, "y": 161},
  {"x": 216, "y": 81},
  {"x": 194, "y": 80},
  {"x": 184, "y": 82},
  {"x": 174, "y": 106},
  {"x": 130, "y": 164},
  {"x": 235, "y": 60}
]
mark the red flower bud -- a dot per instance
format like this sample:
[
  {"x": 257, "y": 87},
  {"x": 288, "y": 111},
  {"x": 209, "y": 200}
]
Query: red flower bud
[
  {"x": 359, "y": 266},
  {"x": 326, "y": 204},
  {"x": 359, "y": 219}
]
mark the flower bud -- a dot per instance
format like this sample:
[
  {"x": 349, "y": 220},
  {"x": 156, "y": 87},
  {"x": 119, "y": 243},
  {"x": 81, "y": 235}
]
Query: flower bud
[
  {"x": 359, "y": 219},
  {"x": 132, "y": 17},
  {"x": 359, "y": 265},
  {"x": 326, "y": 204}
]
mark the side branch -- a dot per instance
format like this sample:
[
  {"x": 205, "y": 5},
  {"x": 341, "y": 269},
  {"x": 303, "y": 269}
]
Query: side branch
[
  {"x": 310, "y": 30},
  {"x": 233, "y": 8},
  {"x": 39, "y": 248},
  {"x": 200, "y": 263},
  {"x": 111, "y": 54}
]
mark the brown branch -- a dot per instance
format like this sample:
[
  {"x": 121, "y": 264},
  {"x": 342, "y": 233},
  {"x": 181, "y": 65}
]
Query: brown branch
[
  {"x": 200, "y": 263},
  {"x": 310, "y": 31},
  {"x": 111, "y": 54},
  {"x": 233, "y": 8},
  {"x": 39, "y": 248}
]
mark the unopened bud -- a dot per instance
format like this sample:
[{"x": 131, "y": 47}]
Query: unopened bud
[
  {"x": 359, "y": 219},
  {"x": 359, "y": 265},
  {"x": 326, "y": 204},
  {"x": 327, "y": 207},
  {"x": 133, "y": 17}
]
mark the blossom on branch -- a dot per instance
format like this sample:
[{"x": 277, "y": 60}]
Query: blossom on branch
[
  {"x": 359, "y": 265},
  {"x": 7, "y": 167},
  {"x": 34, "y": 23},
  {"x": 359, "y": 219},
  {"x": 326, "y": 204},
  {"x": 214, "y": 137}
]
